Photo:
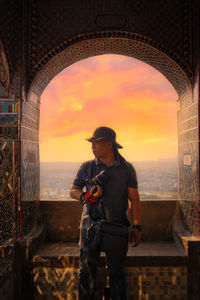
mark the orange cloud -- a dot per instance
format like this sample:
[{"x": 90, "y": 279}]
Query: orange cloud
[{"x": 112, "y": 90}]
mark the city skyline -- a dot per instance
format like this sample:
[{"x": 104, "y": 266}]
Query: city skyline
[{"x": 156, "y": 180}]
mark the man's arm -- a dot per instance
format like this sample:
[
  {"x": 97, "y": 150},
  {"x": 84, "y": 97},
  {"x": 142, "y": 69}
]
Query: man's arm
[
  {"x": 75, "y": 192},
  {"x": 134, "y": 205}
]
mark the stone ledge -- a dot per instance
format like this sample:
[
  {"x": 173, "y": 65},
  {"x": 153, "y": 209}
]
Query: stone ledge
[
  {"x": 145, "y": 254},
  {"x": 62, "y": 219},
  {"x": 190, "y": 241}
]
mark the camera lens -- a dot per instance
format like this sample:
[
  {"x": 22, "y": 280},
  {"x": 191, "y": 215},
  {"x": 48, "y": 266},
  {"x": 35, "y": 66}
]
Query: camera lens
[{"x": 101, "y": 177}]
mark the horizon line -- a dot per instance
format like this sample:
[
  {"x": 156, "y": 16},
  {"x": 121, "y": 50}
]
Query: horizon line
[{"x": 160, "y": 159}]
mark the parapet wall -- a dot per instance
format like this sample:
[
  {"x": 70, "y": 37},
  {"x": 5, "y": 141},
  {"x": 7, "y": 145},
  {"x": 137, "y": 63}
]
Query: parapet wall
[{"x": 62, "y": 219}]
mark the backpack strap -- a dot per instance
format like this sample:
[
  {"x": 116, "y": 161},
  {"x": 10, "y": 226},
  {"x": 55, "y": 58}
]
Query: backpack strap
[{"x": 89, "y": 169}]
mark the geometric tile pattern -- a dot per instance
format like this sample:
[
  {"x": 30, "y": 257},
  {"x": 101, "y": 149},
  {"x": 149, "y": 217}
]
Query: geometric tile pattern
[
  {"x": 188, "y": 130},
  {"x": 9, "y": 168},
  {"x": 168, "y": 23},
  {"x": 56, "y": 283},
  {"x": 157, "y": 282},
  {"x": 9, "y": 105},
  {"x": 146, "y": 282},
  {"x": 9, "y": 118},
  {"x": 29, "y": 135},
  {"x": 125, "y": 44},
  {"x": 144, "y": 49},
  {"x": 30, "y": 170},
  {"x": 9, "y": 188},
  {"x": 29, "y": 166},
  {"x": 8, "y": 132},
  {"x": 26, "y": 121},
  {"x": 188, "y": 148}
]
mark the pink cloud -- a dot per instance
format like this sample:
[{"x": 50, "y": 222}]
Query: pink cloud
[{"x": 127, "y": 78}]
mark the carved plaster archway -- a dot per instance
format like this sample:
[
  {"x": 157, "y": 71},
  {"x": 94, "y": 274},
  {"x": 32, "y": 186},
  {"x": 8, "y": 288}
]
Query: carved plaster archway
[
  {"x": 141, "y": 48},
  {"x": 125, "y": 43}
]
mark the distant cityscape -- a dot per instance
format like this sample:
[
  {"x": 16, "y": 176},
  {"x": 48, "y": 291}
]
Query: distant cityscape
[{"x": 156, "y": 179}]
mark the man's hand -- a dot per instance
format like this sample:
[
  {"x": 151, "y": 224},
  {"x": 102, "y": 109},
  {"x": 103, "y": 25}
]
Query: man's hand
[
  {"x": 135, "y": 236},
  {"x": 134, "y": 203},
  {"x": 98, "y": 193}
]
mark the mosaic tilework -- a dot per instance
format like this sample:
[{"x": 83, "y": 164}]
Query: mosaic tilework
[
  {"x": 30, "y": 152},
  {"x": 30, "y": 111},
  {"x": 9, "y": 188},
  {"x": 29, "y": 166},
  {"x": 152, "y": 283},
  {"x": 30, "y": 171},
  {"x": 57, "y": 283},
  {"x": 9, "y": 118},
  {"x": 188, "y": 163},
  {"x": 168, "y": 23},
  {"x": 118, "y": 45},
  {"x": 9, "y": 167},
  {"x": 30, "y": 184},
  {"x": 138, "y": 46}
]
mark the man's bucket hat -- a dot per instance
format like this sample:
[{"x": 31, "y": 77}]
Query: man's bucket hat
[{"x": 106, "y": 133}]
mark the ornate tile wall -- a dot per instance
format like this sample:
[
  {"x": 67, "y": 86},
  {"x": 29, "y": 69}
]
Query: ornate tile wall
[
  {"x": 124, "y": 43},
  {"x": 168, "y": 23},
  {"x": 29, "y": 164},
  {"x": 187, "y": 104},
  {"x": 188, "y": 158},
  {"x": 9, "y": 168},
  {"x": 157, "y": 282}
]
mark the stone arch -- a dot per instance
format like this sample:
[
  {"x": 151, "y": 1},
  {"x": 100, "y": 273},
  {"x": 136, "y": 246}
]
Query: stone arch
[
  {"x": 141, "y": 48},
  {"x": 124, "y": 43}
]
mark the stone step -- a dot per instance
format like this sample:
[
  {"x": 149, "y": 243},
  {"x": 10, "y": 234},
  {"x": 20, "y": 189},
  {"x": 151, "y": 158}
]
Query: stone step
[
  {"x": 154, "y": 270},
  {"x": 146, "y": 253}
]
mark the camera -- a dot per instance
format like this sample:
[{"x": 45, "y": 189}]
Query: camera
[
  {"x": 98, "y": 179},
  {"x": 96, "y": 210}
]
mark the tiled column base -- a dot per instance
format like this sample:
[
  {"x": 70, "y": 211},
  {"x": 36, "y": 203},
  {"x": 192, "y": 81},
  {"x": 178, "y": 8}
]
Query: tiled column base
[
  {"x": 157, "y": 282},
  {"x": 62, "y": 283},
  {"x": 143, "y": 283}
]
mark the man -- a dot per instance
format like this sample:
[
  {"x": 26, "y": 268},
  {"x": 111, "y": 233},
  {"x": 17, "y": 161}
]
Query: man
[{"x": 119, "y": 188}]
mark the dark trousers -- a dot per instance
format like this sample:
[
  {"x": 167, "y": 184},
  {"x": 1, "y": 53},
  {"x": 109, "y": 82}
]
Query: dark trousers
[{"x": 116, "y": 272}]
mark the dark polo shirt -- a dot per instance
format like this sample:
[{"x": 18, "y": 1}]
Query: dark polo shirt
[{"x": 115, "y": 194}]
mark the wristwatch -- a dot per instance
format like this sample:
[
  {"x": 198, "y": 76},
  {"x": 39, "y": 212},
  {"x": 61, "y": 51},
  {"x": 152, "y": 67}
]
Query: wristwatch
[{"x": 137, "y": 226}]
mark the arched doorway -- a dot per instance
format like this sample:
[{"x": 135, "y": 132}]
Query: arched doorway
[{"x": 128, "y": 44}]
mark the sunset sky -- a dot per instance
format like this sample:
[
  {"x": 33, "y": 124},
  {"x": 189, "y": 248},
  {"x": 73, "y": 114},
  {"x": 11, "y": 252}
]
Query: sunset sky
[{"x": 121, "y": 92}]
